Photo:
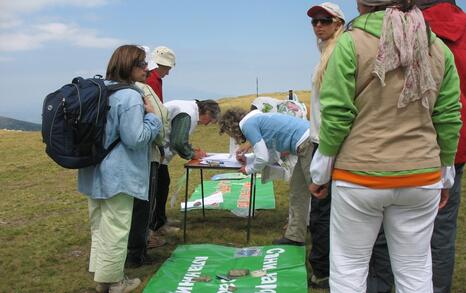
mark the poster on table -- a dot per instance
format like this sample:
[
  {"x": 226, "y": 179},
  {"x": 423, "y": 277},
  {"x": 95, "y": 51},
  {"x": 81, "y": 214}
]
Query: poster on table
[
  {"x": 232, "y": 195},
  {"x": 208, "y": 268}
]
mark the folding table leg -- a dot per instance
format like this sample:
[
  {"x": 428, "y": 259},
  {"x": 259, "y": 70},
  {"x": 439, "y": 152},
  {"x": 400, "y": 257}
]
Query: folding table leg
[
  {"x": 254, "y": 197},
  {"x": 185, "y": 204},
  {"x": 250, "y": 207},
  {"x": 202, "y": 193}
]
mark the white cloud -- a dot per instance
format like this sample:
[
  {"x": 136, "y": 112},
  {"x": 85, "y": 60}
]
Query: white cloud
[
  {"x": 19, "y": 42},
  {"x": 11, "y": 10},
  {"x": 39, "y": 35},
  {"x": 15, "y": 36},
  {"x": 27, "y": 6},
  {"x": 8, "y": 22}
]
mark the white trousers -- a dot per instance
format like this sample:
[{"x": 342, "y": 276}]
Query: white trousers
[
  {"x": 110, "y": 221},
  {"x": 407, "y": 215}
]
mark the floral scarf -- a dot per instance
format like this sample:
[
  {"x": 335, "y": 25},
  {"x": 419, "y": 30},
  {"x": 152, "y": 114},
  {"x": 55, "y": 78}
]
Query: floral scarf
[{"x": 404, "y": 43}]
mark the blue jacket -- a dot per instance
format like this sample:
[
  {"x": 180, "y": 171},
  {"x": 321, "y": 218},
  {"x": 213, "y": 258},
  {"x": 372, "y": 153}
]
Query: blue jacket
[
  {"x": 272, "y": 132},
  {"x": 279, "y": 131},
  {"x": 126, "y": 168}
]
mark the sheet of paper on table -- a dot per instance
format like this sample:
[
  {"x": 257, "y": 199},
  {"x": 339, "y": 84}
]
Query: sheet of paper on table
[
  {"x": 223, "y": 159},
  {"x": 214, "y": 199}
]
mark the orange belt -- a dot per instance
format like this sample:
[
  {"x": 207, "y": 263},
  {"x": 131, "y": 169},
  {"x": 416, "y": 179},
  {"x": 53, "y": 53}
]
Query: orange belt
[{"x": 385, "y": 182}]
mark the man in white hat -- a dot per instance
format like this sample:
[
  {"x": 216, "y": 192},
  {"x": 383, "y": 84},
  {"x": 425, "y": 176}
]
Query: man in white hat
[{"x": 161, "y": 61}]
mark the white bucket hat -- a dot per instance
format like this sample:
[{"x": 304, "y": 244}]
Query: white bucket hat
[
  {"x": 163, "y": 56},
  {"x": 328, "y": 7}
]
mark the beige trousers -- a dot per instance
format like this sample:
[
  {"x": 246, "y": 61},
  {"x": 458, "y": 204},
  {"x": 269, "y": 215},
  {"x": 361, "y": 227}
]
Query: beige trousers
[
  {"x": 110, "y": 221},
  {"x": 299, "y": 194}
]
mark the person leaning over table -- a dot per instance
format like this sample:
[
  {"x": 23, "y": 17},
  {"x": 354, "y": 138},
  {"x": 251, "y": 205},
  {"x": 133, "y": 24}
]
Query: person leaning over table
[
  {"x": 122, "y": 176},
  {"x": 269, "y": 133},
  {"x": 272, "y": 105},
  {"x": 389, "y": 133},
  {"x": 184, "y": 116}
]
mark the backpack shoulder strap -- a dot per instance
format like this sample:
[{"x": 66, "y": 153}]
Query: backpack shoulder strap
[
  {"x": 120, "y": 86},
  {"x": 112, "y": 145}
]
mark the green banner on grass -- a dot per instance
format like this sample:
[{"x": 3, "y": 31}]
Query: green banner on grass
[
  {"x": 207, "y": 268},
  {"x": 232, "y": 195}
]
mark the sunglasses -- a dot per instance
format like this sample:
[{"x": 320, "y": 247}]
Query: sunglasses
[
  {"x": 323, "y": 21},
  {"x": 141, "y": 64}
]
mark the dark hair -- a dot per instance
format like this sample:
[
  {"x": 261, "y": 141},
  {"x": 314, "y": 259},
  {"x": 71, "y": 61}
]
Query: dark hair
[
  {"x": 403, "y": 5},
  {"x": 424, "y": 4},
  {"x": 209, "y": 107},
  {"x": 229, "y": 124},
  {"x": 123, "y": 60}
]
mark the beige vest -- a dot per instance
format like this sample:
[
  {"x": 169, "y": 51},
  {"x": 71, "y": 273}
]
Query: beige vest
[
  {"x": 384, "y": 137},
  {"x": 161, "y": 112}
]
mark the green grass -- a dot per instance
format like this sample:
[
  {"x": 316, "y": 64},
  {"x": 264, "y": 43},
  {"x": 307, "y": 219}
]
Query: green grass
[{"x": 44, "y": 229}]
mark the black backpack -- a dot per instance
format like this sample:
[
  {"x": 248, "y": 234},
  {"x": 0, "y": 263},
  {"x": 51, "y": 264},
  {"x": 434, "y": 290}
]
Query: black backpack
[{"x": 73, "y": 122}]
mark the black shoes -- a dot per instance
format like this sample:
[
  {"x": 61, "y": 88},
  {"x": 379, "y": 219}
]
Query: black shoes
[
  {"x": 286, "y": 241},
  {"x": 145, "y": 260}
]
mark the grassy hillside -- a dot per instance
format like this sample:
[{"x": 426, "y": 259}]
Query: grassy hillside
[
  {"x": 13, "y": 124},
  {"x": 44, "y": 229}
]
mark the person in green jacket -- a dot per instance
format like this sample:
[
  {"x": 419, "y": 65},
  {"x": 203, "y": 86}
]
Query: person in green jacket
[{"x": 389, "y": 132}]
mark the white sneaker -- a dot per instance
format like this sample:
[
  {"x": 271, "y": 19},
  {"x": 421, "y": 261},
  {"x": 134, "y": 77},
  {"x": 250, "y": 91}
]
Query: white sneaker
[{"x": 124, "y": 286}]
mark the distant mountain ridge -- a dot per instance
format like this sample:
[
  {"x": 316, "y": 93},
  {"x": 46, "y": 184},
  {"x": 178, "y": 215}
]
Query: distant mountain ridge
[{"x": 13, "y": 124}]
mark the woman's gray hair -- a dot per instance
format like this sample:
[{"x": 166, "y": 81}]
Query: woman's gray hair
[{"x": 209, "y": 107}]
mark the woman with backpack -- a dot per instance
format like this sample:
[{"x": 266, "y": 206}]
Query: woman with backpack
[
  {"x": 390, "y": 123},
  {"x": 122, "y": 176}
]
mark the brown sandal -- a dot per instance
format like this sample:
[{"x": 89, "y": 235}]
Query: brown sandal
[{"x": 155, "y": 241}]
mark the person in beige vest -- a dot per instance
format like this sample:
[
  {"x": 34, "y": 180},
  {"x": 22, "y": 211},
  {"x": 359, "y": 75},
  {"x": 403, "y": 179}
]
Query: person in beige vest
[
  {"x": 143, "y": 209},
  {"x": 389, "y": 132}
]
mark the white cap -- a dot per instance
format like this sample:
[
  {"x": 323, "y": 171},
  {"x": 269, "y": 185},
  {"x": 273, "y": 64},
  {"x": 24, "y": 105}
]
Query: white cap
[
  {"x": 328, "y": 7},
  {"x": 163, "y": 56}
]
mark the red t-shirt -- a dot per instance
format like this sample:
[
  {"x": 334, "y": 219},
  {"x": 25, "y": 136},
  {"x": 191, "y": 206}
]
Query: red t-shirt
[{"x": 155, "y": 82}]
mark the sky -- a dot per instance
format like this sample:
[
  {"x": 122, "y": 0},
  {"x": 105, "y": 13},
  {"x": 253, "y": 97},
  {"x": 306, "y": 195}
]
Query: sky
[{"x": 221, "y": 46}]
